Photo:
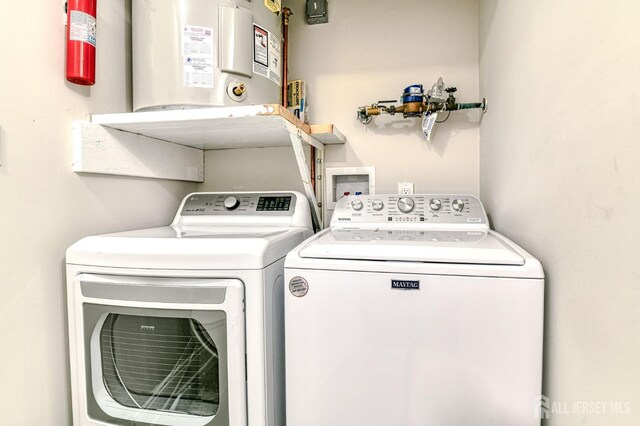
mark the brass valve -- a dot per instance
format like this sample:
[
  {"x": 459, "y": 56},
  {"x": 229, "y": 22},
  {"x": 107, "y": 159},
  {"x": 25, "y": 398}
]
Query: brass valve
[{"x": 239, "y": 90}]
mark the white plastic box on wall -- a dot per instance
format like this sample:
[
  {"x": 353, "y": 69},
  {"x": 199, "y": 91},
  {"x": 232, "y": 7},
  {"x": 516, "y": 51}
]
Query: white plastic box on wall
[{"x": 341, "y": 181}]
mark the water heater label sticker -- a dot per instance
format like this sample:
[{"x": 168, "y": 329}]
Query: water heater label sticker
[
  {"x": 260, "y": 51},
  {"x": 274, "y": 59},
  {"x": 198, "y": 71},
  {"x": 197, "y": 56},
  {"x": 298, "y": 286},
  {"x": 82, "y": 27},
  {"x": 197, "y": 41}
]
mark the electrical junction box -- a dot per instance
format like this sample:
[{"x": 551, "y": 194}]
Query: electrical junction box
[
  {"x": 316, "y": 12},
  {"x": 341, "y": 181}
]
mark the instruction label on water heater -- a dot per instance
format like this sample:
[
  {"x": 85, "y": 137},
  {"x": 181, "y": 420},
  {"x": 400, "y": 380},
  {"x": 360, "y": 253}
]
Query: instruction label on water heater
[
  {"x": 266, "y": 54},
  {"x": 274, "y": 59},
  {"x": 197, "y": 56}
]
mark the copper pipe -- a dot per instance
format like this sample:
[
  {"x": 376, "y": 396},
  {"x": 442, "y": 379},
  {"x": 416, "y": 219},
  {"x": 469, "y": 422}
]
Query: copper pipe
[
  {"x": 286, "y": 12},
  {"x": 312, "y": 154}
]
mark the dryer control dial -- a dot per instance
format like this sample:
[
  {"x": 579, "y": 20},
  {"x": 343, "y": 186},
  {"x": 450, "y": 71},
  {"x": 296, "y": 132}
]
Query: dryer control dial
[
  {"x": 457, "y": 205},
  {"x": 377, "y": 205},
  {"x": 231, "y": 203},
  {"x": 406, "y": 204}
]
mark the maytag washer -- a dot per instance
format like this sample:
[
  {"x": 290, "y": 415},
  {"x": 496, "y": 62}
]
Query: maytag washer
[
  {"x": 410, "y": 311},
  {"x": 182, "y": 325}
]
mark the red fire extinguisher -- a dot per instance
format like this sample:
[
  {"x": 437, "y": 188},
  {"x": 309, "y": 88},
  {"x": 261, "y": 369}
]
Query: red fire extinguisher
[{"x": 81, "y": 41}]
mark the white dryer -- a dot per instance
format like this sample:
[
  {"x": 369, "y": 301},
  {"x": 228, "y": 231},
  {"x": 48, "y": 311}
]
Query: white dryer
[
  {"x": 410, "y": 311},
  {"x": 182, "y": 325}
]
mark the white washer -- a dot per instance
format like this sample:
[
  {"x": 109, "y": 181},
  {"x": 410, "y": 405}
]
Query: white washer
[
  {"x": 410, "y": 311},
  {"x": 182, "y": 325}
]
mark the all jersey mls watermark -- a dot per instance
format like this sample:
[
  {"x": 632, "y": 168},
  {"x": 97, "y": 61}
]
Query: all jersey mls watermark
[{"x": 545, "y": 407}]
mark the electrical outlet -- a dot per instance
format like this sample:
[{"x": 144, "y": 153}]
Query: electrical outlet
[{"x": 405, "y": 188}]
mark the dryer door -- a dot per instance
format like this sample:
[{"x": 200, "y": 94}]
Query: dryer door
[{"x": 162, "y": 350}]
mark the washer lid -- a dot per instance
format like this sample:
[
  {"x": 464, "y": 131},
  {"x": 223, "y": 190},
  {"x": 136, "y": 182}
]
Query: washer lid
[{"x": 469, "y": 247}]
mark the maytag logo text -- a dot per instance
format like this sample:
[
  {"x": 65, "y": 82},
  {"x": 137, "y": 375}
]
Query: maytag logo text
[{"x": 405, "y": 284}]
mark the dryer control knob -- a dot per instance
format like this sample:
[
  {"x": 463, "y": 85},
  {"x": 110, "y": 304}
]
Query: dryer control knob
[
  {"x": 457, "y": 205},
  {"x": 435, "y": 204},
  {"x": 406, "y": 204},
  {"x": 231, "y": 203},
  {"x": 357, "y": 205},
  {"x": 377, "y": 205}
]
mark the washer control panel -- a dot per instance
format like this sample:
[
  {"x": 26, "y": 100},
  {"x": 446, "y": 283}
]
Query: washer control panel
[
  {"x": 418, "y": 209},
  {"x": 265, "y": 204}
]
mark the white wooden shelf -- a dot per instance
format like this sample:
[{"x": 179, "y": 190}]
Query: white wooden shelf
[
  {"x": 170, "y": 144},
  {"x": 219, "y": 128}
]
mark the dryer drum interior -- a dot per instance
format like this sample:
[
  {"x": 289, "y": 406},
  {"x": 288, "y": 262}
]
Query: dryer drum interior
[
  {"x": 155, "y": 361},
  {"x": 164, "y": 364}
]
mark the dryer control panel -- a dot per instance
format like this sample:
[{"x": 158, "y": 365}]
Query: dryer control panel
[
  {"x": 271, "y": 204},
  {"x": 244, "y": 208},
  {"x": 415, "y": 210}
]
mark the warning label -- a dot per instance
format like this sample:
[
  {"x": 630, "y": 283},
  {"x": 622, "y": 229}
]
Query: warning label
[
  {"x": 266, "y": 54},
  {"x": 82, "y": 27},
  {"x": 260, "y": 49}
]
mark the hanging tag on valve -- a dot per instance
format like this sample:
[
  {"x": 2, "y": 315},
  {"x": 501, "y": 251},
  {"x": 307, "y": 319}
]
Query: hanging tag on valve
[
  {"x": 428, "y": 121},
  {"x": 81, "y": 41}
]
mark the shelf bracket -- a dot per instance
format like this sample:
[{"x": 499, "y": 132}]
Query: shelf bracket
[{"x": 297, "y": 137}]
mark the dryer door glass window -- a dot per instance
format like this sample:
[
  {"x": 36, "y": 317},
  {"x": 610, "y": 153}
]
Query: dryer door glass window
[
  {"x": 161, "y": 350},
  {"x": 160, "y": 363}
]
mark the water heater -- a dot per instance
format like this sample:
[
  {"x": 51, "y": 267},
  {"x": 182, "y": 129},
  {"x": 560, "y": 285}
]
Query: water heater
[{"x": 201, "y": 53}]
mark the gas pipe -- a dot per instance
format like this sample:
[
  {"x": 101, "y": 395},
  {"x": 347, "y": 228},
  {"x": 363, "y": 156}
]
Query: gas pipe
[{"x": 81, "y": 41}]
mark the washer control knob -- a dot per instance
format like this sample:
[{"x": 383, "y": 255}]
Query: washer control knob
[
  {"x": 357, "y": 205},
  {"x": 406, "y": 204},
  {"x": 231, "y": 203},
  {"x": 457, "y": 205},
  {"x": 377, "y": 205},
  {"x": 435, "y": 204}
]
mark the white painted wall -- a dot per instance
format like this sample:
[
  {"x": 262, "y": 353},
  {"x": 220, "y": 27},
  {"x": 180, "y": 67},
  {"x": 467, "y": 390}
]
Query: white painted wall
[
  {"x": 45, "y": 207},
  {"x": 559, "y": 174},
  {"x": 371, "y": 50}
]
